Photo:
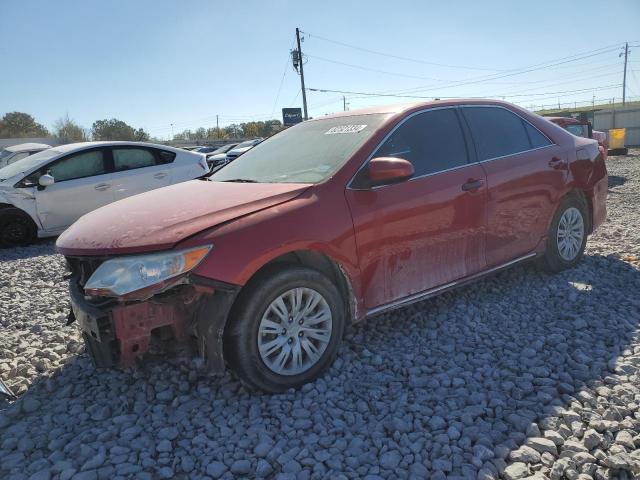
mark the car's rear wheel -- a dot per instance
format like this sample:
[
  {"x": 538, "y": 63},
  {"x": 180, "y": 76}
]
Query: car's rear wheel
[
  {"x": 567, "y": 235},
  {"x": 16, "y": 228},
  {"x": 285, "y": 329}
]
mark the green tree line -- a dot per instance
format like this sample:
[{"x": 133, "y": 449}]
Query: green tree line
[
  {"x": 235, "y": 130},
  {"x": 66, "y": 130}
]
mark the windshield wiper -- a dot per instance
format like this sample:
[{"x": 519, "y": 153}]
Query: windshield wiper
[{"x": 241, "y": 180}]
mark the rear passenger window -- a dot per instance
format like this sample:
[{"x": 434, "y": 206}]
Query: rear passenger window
[
  {"x": 166, "y": 157},
  {"x": 130, "y": 158},
  {"x": 537, "y": 139},
  {"x": 431, "y": 141},
  {"x": 497, "y": 132}
]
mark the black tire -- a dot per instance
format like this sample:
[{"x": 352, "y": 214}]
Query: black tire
[
  {"x": 241, "y": 335},
  {"x": 16, "y": 228},
  {"x": 552, "y": 260}
]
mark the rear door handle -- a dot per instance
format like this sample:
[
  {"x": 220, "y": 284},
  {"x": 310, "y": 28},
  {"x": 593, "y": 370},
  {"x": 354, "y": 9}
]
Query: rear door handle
[
  {"x": 103, "y": 186},
  {"x": 472, "y": 185},
  {"x": 557, "y": 164},
  {"x": 160, "y": 175}
]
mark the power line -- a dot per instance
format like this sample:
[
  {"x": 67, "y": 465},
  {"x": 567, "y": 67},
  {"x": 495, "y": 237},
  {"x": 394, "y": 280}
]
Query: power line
[
  {"x": 284, "y": 74},
  {"x": 511, "y": 74},
  {"x": 399, "y": 57},
  {"x": 373, "y": 94},
  {"x": 360, "y": 67}
]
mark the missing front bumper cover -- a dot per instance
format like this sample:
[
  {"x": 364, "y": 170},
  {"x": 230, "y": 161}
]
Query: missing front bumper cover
[{"x": 119, "y": 334}]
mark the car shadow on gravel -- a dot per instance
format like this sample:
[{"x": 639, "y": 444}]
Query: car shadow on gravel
[
  {"x": 616, "y": 181},
  {"x": 445, "y": 387}
]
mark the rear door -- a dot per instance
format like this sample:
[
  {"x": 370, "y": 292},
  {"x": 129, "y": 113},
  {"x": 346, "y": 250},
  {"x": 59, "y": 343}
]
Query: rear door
[
  {"x": 82, "y": 184},
  {"x": 525, "y": 171},
  {"x": 422, "y": 233},
  {"x": 139, "y": 169}
]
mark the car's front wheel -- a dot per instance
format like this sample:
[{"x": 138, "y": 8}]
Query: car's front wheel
[
  {"x": 285, "y": 329},
  {"x": 16, "y": 228},
  {"x": 567, "y": 235}
]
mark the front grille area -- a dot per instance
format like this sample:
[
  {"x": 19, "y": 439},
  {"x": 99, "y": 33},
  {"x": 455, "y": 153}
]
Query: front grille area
[{"x": 82, "y": 268}]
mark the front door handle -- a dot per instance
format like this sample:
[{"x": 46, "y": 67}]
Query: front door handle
[
  {"x": 160, "y": 175},
  {"x": 557, "y": 164},
  {"x": 472, "y": 185},
  {"x": 102, "y": 186}
]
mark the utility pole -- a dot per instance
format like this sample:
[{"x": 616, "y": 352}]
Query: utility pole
[
  {"x": 217, "y": 127},
  {"x": 304, "y": 92},
  {"x": 172, "y": 131},
  {"x": 344, "y": 103},
  {"x": 624, "y": 77}
]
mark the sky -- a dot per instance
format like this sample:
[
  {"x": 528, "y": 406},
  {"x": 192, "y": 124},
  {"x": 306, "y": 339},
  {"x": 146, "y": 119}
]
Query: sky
[{"x": 153, "y": 63}]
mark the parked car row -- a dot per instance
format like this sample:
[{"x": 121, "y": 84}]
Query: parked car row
[
  {"x": 266, "y": 261},
  {"x": 14, "y": 153},
  {"x": 228, "y": 153}
]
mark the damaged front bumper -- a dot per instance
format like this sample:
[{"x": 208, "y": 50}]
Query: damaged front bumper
[{"x": 119, "y": 333}]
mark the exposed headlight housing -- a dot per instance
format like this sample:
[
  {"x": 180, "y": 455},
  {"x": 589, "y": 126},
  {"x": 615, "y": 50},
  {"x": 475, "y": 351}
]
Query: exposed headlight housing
[{"x": 141, "y": 276}]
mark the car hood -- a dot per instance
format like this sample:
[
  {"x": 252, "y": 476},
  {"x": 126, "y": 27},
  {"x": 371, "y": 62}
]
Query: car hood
[
  {"x": 217, "y": 156},
  {"x": 159, "y": 219}
]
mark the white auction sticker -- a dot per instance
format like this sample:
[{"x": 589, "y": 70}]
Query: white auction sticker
[{"x": 345, "y": 129}]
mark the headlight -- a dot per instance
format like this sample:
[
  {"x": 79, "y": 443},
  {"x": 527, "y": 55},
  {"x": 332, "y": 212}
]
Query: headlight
[{"x": 126, "y": 275}]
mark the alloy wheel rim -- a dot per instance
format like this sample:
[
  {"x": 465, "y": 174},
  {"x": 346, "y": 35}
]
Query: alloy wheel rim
[
  {"x": 294, "y": 332},
  {"x": 570, "y": 234}
]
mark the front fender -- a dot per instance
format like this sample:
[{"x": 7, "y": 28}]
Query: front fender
[{"x": 243, "y": 246}]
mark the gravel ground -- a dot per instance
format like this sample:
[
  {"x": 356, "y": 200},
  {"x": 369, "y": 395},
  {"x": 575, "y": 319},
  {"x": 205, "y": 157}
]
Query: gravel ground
[{"x": 521, "y": 375}]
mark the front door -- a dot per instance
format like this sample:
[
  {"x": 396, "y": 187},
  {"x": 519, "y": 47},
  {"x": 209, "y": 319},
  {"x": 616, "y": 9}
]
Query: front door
[
  {"x": 82, "y": 184},
  {"x": 425, "y": 232}
]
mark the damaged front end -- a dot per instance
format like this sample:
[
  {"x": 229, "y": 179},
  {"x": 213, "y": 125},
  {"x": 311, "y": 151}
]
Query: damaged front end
[{"x": 118, "y": 330}]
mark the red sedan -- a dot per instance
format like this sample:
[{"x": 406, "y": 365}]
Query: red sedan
[{"x": 339, "y": 218}]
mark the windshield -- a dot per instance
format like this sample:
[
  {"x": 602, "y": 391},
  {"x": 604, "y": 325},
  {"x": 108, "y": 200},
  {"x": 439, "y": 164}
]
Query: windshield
[
  {"x": 27, "y": 163},
  {"x": 225, "y": 148},
  {"x": 310, "y": 152},
  {"x": 248, "y": 143},
  {"x": 579, "y": 130},
  {"x": 5, "y": 154}
]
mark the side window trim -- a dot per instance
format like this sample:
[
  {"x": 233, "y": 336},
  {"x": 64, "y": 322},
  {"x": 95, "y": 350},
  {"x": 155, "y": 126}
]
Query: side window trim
[
  {"x": 105, "y": 158},
  {"x": 522, "y": 119},
  {"x": 468, "y": 148}
]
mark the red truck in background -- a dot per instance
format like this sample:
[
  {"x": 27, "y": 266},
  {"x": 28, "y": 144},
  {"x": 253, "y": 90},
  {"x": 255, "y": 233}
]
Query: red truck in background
[{"x": 582, "y": 128}]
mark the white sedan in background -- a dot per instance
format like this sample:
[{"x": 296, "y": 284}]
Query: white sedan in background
[
  {"x": 14, "y": 153},
  {"x": 43, "y": 194}
]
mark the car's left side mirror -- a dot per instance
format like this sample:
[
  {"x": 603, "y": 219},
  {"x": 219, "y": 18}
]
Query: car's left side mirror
[
  {"x": 46, "y": 180},
  {"x": 385, "y": 170}
]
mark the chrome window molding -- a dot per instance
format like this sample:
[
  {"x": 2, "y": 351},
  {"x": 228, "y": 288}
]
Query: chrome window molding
[{"x": 425, "y": 110}]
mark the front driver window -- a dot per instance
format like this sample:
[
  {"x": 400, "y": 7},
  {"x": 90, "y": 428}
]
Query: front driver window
[
  {"x": 432, "y": 141},
  {"x": 81, "y": 165}
]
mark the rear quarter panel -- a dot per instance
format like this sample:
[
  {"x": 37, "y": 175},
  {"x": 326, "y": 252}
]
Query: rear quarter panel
[{"x": 186, "y": 166}]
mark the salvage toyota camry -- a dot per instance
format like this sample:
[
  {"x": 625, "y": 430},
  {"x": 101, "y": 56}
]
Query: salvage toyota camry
[{"x": 339, "y": 218}]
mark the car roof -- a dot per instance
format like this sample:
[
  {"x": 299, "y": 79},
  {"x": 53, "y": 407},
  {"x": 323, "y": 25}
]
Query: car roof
[
  {"x": 82, "y": 145},
  {"x": 27, "y": 146},
  {"x": 402, "y": 108}
]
